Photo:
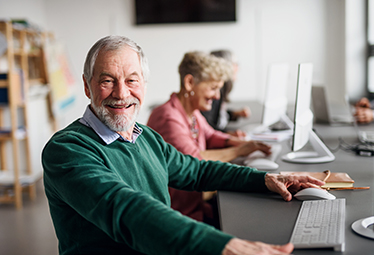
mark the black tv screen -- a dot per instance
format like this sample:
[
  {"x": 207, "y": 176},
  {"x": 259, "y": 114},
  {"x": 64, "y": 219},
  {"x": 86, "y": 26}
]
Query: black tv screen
[{"x": 184, "y": 11}]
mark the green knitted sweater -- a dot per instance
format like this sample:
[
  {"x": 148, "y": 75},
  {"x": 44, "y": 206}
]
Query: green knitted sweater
[{"x": 113, "y": 199}]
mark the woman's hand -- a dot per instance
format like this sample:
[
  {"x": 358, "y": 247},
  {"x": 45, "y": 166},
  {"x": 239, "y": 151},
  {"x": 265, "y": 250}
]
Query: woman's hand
[
  {"x": 237, "y": 133},
  {"x": 364, "y": 102},
  {"x": 364, "y": 115},
  {"x": 244, "y": 112},
  {"x": 247, "y": 147}
]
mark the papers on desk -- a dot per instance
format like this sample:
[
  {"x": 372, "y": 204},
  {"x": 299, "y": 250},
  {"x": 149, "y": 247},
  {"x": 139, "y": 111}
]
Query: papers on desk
[{"x": 270, "y": 136}]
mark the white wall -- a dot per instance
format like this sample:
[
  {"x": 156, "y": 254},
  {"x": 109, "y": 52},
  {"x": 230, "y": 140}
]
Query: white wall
[
  {"x": 33, "y": 10},
  {"x": 266, "y": 31},
  {"x": 355, "y": 49}
]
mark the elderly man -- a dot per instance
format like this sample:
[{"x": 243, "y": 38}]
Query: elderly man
[{"x": 106, "y": 177}]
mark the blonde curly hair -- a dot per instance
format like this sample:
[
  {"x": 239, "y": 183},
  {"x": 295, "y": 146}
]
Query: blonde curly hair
[{"x": 204, "y": 67}]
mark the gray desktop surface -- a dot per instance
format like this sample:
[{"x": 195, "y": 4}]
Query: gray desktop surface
[{"x": 267, "y": 218}]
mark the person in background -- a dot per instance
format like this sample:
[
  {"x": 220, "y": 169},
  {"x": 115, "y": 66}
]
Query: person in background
[
  {"x": 364, "y": 111},
  {"x": 180, "y": 123},
  {"x": 106, "y": 176},
  {"x": 219, "y": 116}
]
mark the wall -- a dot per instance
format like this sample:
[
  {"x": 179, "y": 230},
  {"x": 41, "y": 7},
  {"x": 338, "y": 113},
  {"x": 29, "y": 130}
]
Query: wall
[
  {"x": 355, "y": 50},
  {"x": 266, "y": 31},
  {"x": 33, "y": 10}
]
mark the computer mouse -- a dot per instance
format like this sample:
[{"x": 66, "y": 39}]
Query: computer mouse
[
  {"x": 313, "y": 194},
  {"x": 263, "y": 164}
]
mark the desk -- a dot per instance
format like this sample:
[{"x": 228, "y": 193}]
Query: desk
[{"x": 267, "y": 218}]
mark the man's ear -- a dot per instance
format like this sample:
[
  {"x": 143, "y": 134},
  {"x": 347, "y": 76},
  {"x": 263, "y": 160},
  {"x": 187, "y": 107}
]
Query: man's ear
[
  {"x": 86, "y": 87},
  {"x": 189, "y": 82}
]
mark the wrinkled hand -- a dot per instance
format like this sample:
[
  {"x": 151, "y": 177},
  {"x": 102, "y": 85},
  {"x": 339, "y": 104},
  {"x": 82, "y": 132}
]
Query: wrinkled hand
[
  {"x": 238, "y": 133},
  {"x": 242, "y": 247},
  {"x": 248, "y": 147},
  {"x": 364, "y": 115},
  {"x": 244, "y": 113},
  {"x": 287, "y": 184}
]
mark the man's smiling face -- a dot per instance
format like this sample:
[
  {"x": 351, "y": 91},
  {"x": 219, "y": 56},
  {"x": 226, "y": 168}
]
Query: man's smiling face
[{"x": 117, "y": 88}]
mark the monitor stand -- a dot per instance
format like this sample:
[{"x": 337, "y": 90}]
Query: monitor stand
[
  {"x": 361, "y": 227},
  {"x": 321, "y": 153}
]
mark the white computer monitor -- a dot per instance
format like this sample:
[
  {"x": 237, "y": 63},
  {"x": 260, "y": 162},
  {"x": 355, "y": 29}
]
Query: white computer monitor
[
  {"x": 275, "y": 102},
  {"x": 303, "y": 124}
]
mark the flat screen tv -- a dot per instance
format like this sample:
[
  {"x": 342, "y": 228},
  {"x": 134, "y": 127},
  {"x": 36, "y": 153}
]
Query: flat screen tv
[{"x": 184, "y": 11}]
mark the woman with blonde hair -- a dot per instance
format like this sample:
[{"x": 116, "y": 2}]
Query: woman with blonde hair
[
  {"x": 220, "y": 115},
  {"x": 181, "y": 124}
]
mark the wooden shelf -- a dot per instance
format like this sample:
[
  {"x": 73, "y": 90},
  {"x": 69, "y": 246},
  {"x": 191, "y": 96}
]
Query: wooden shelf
[
  {"x": 34, "y": 53},
  {"x": 7, "y": 178},
  {"x": 5, "y": 137},
  {"x": 19, "y": 134},
  {"x": 18, "y": 53},
  {"x": 36, "y": 81},
  {"x": 26, "y": 64}
]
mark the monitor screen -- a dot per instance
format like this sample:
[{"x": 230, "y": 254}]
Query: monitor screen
[
  {"x": 184, "y": 11},
  {"x": 275, "y": 103},
  {"x": 303, "y": 123}
]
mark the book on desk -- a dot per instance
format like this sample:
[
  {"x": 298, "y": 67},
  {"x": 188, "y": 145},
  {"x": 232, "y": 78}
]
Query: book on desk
[{"x": 331, "y": 179}]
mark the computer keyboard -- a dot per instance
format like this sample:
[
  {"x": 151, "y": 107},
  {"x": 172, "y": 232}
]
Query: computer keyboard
[{"x": 320, "y": 224}]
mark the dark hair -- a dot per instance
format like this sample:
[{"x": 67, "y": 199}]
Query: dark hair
[{"x": 228, "y": 85}]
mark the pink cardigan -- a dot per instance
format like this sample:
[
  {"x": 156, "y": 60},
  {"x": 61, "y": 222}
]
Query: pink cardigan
[{"x": 170, "y": 120}]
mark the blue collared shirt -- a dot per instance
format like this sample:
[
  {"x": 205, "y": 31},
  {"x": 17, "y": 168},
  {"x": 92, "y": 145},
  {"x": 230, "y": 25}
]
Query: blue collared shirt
[{"x": 107, "y": 135}]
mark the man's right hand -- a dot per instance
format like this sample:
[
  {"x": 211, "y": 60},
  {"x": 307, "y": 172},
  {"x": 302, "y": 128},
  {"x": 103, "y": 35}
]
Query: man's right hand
[{"x": 242, "y": 247}]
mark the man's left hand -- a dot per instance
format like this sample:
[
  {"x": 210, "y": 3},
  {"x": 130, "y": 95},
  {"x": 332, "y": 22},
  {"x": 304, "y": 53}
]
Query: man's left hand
[{"x": 287, "y": 184}]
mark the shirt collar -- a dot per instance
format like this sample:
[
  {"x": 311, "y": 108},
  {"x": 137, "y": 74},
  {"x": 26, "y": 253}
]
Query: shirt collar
[{"x": 107, "y": 135}]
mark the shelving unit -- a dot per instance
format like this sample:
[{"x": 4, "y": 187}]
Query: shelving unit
[{"x": 26, "y": 67}]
